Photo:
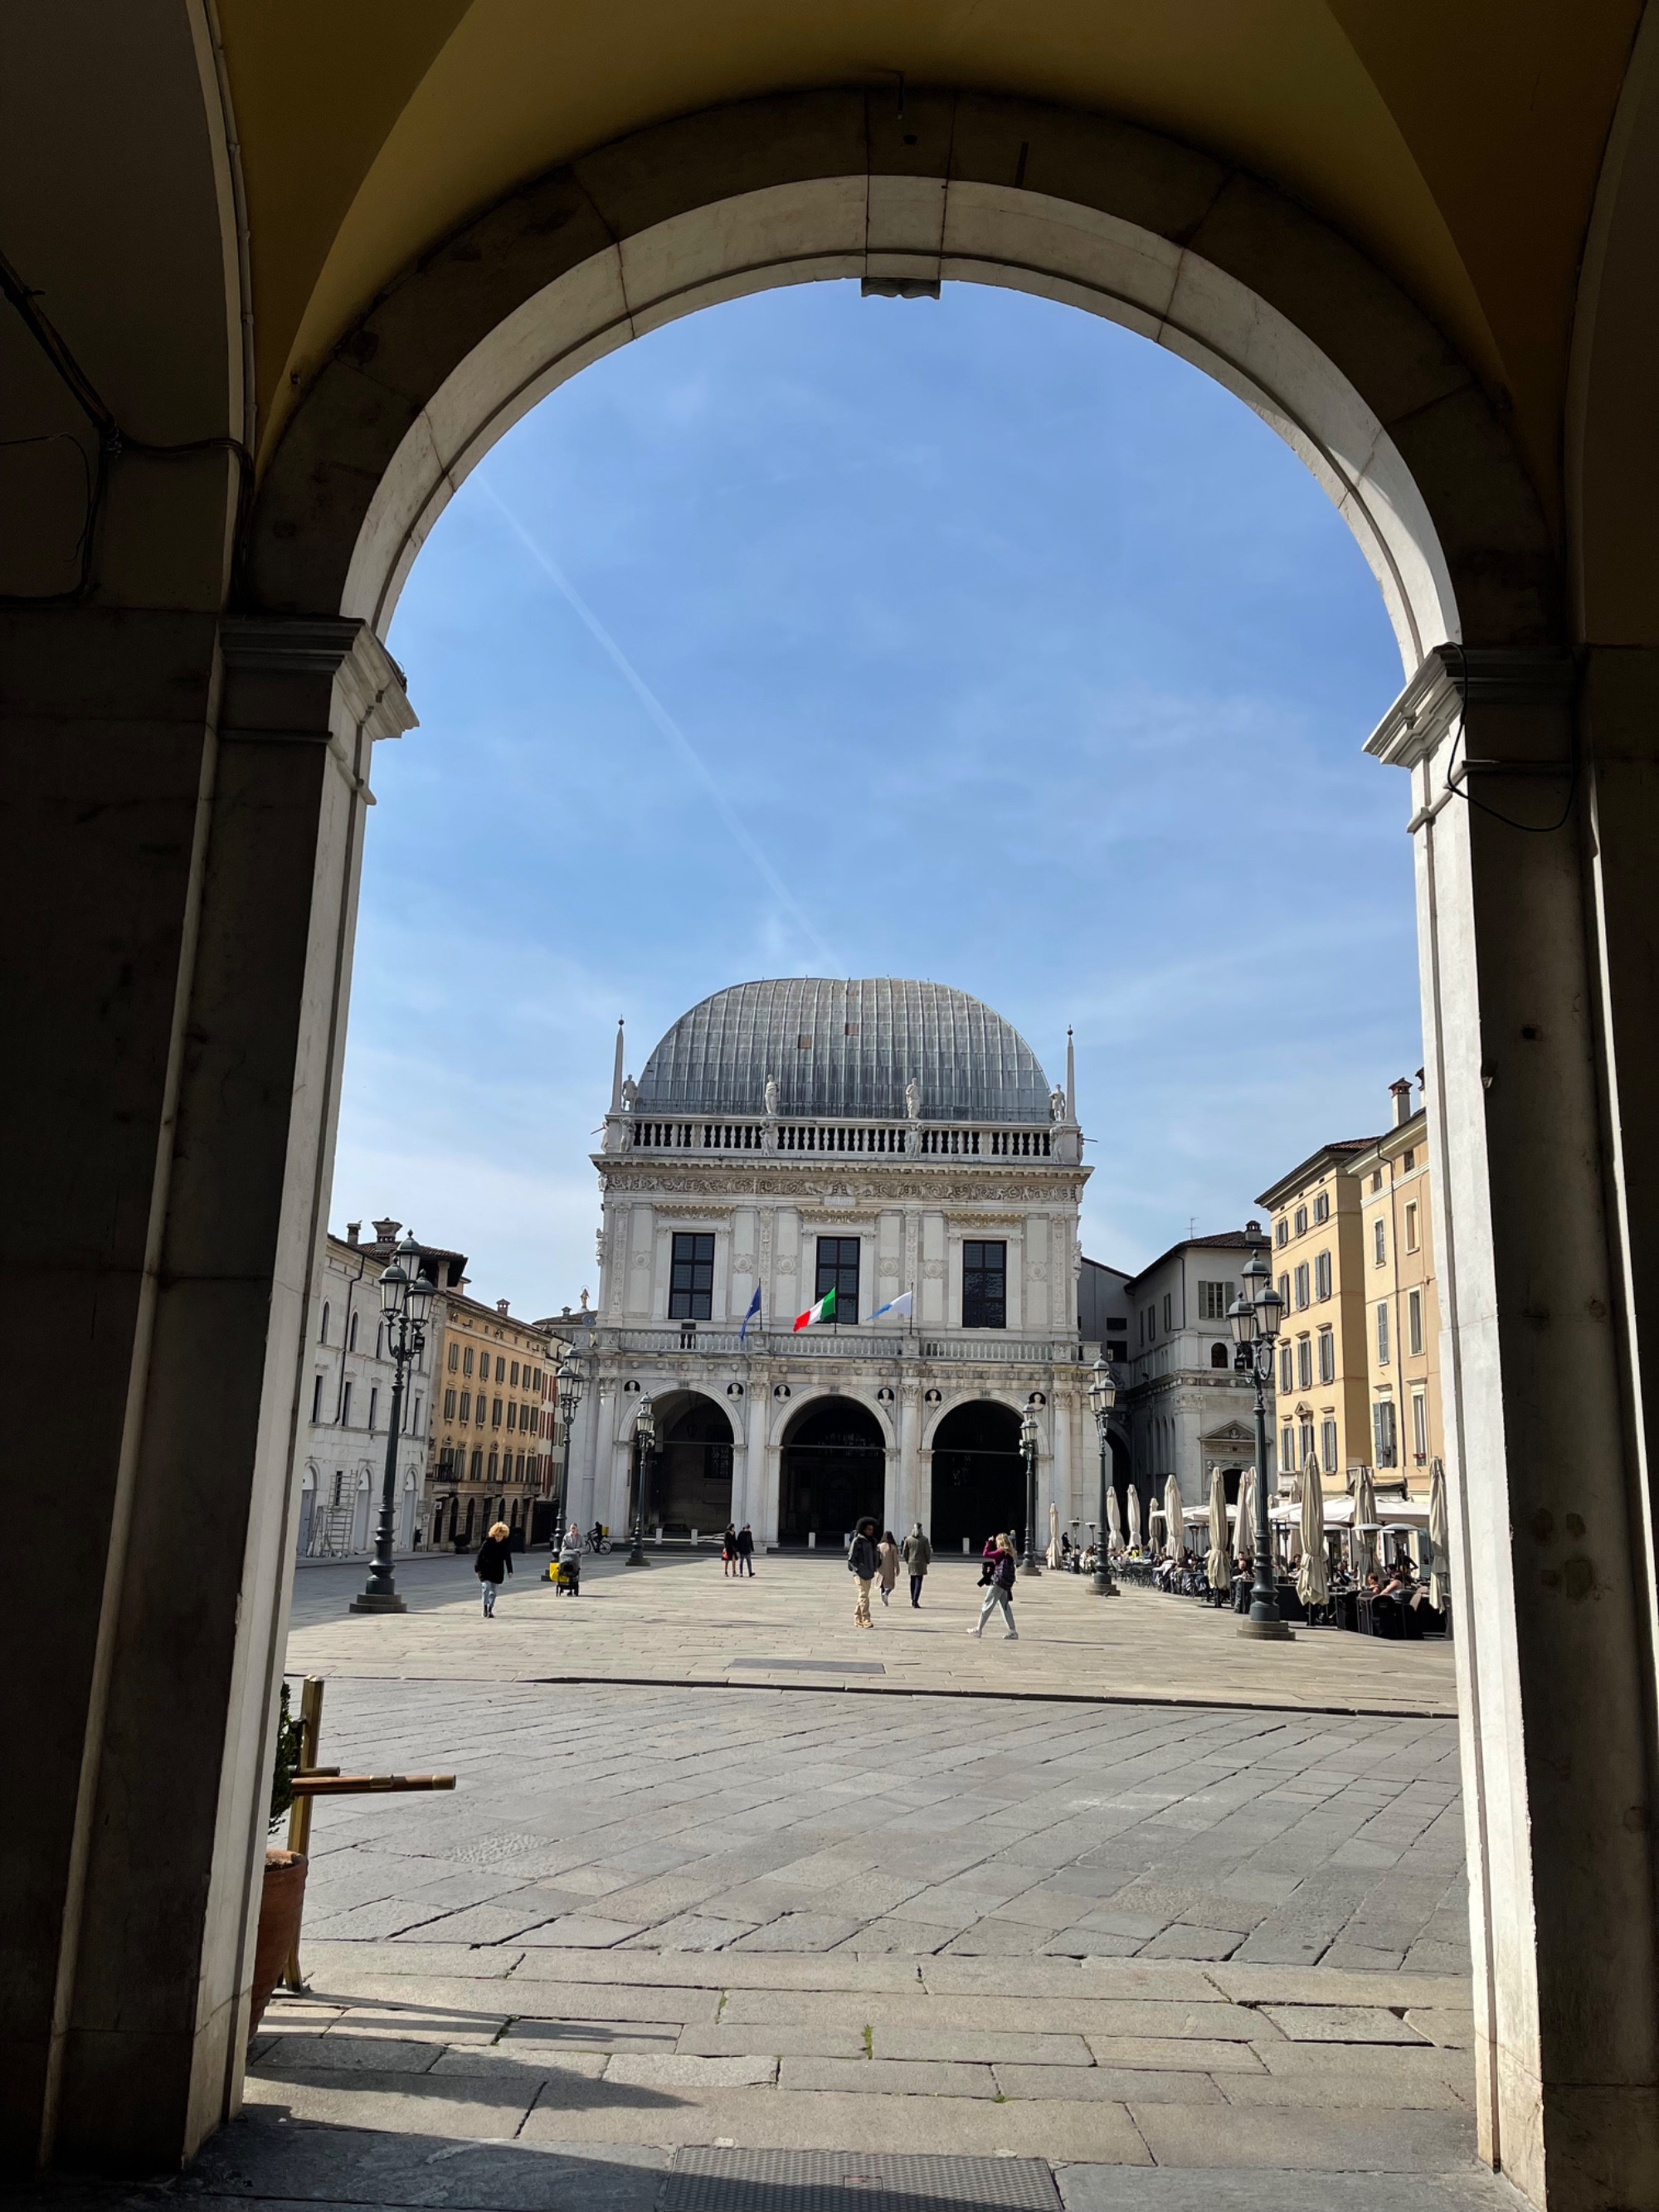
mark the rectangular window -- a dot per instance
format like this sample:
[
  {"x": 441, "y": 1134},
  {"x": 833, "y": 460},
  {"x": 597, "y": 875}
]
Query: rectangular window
[
  {"x": 1286, "y": 1369},
  {"x": 1304, "y": 1363},
  {"x": 1301, "y": 1221},
  {"x": 838, "y": 1271},
  {"x": 512, "y": 1374},
  {"x": 1328, "y": 1355},
  {"x": 1169, "y": 1311},
  {"x": 500, "y": 1370},
  {"x": 1322, "y": 1275},
  {"x": 1281, "y": 1232},
  {"x": 691, "y": 1279},
  {"x": 1420, "y": 1426},
  {"x": 374, "y": 1408},
  {"x": 466, "y": 1404},
  {"x": 1382, "y": 1433},
  {"x": 511, "y": 1412},
  {"x": 1322, "y": 1207},
  {"x": 1414, "y": 1321},
  {"x": 1284, "y": 1293},
  {"x": 985, "y": 1286},
  {"x": 412, "y": 1425},
  {"x": 1327, "y": 1446},
  {"x": 1149, "y": 1324},
  {"x": 1305, "y": 1444},
  {"x": 1411, "y": 1225},
  {"x": 1379, "y": 1244},
  {"x": 449, "y": 1405},
  {"x": 454, "y": 1357},
  {"x": 1382, "y": 1334},
  {"x": 317, "y": 1398},
  {"x": 1303, "y": 1299},
  {"x": 346, "y": 1405},
  {"x": 494, "y": 1411},
  {"x": 1213, "y": 1300},
  {"x": 466, "y": 1361},
  {"x": 1287, "y": 1451}
]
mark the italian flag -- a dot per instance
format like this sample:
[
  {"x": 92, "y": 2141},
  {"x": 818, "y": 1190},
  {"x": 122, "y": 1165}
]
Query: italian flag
[{"x": 824, "y": 1311}]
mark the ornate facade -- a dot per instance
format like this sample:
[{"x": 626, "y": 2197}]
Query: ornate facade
[{"x": 881, "y": 1139}]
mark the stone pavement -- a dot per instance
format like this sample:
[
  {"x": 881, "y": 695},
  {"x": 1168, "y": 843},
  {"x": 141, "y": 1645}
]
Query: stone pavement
[{"x": 682, "y": 1620}]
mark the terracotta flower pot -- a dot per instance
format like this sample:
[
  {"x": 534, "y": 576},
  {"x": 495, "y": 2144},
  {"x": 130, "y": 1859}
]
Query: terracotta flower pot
[{"x": 281, "y": 1903}]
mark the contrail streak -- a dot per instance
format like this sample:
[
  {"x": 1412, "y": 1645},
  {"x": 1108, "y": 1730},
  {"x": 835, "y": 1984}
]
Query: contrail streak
[{"x": 665, "y": 723}]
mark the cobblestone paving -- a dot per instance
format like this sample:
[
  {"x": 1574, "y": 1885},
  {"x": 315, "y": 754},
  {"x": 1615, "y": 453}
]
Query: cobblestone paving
[{"x": 768, "y": 1821}]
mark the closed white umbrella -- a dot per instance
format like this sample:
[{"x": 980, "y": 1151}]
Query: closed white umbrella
[
  {"x": 1054, "y": 1534},
  {"x": 1313, "y": 1582},
  {"x": 1439, "y": 1583},
  {"x": 1134, "y": 1518},
  {"x": 1364, "y": 1519},
  {"x": 1114, "y": 1526},
  {"x": 1247, "y": 1514},
  {"x": 1173, "y": 1527},
  {"x": 1220, "y": 1563}
]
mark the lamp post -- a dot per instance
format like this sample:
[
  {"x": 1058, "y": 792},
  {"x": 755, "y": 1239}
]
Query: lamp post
[
  {"x": 573, "y": 1381},
  {"x": 406, "y": 1298},
  {"x": 1027, "y": 1444},
  {"x": 1102, "y": 1396},
  {"x": 645, "y": 1441},
  {"x": 1256, "y": 1316}
]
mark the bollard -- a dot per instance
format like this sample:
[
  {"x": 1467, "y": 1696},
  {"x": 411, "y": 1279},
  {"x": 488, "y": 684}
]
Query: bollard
[
  {"x": 812, "y": 1539},
  {"x": 694, "y": 1540},
  {"x": 964, "y": 1548}
]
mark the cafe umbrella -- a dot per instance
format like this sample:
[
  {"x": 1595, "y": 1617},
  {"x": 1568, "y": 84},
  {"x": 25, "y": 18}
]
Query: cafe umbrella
[
  {"x": 1313, "y": 1582},
  {"x": 1220, "y": 1563}
]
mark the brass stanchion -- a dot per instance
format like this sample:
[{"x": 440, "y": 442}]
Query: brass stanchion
[{"x": 299, "y": 1818}]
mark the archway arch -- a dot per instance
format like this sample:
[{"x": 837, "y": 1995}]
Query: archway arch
[
  {"x": 691, "y": 1486},
  {"x": 832, "y": 1470},
  {"x": 979, "y": 1475}
]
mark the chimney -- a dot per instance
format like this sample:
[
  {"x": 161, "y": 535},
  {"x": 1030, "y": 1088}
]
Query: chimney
[
  {"x": 385, "y": 1233},
  {"x": 1400, "y": 1092},
  {"x": 500, "y": 1305},
  {"x": 354, "y": 1231},
  {"x": 1253, "y": 1229}
]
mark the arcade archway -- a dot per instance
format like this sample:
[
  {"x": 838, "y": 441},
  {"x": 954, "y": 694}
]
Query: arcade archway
[
  {"x": 979, "y": 1475},
  {"x": 692, "y": 1482},
  {"x": 833, "y": 1470}
]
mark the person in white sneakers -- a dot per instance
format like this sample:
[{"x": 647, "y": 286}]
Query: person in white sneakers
[{"x": 1000, "y": 1591}]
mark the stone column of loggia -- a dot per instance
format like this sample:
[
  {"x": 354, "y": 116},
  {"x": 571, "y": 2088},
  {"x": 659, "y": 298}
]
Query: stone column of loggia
[
  {"x": 1553, "y": 1584},
  {"x": 196, "y": 799}
]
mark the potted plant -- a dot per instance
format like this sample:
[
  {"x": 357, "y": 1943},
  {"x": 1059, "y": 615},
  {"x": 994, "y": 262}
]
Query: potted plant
[{"x": 282, "y": 1897}]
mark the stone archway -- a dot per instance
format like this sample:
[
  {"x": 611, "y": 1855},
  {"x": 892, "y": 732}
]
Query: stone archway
[
  {"x": 692, "y": 1485},
  {"x": 832, "y": 1470},
  {"x": 979, "y": 1475}
]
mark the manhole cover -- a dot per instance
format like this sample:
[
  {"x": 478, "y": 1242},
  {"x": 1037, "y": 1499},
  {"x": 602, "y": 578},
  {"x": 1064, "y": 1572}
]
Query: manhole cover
[
  {"x": 815, "y": 1666},
  {"x": 853, "y": 2181}
]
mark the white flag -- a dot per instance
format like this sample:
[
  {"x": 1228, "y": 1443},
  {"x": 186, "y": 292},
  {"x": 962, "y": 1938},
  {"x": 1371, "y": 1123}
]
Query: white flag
[{"x": 900, "y": 1305}]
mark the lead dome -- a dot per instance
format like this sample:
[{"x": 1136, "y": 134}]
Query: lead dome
[{"x": 845, "y": 1047}]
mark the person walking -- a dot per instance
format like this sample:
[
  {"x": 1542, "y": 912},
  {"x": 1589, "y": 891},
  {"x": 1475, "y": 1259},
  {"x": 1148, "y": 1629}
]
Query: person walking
[
  {"x": 863, "y": 1562},
  {"x": 729, "y": 1550},
  {"x": 570, "y": 1559},
  {"x": 887, "y": 1560},
  {"x": 918, "y": 1558},
  {"x": 746, "y": 1551},
  {"x": 494, "y": 1562},
  {"x": 1000, "y": 1591}
]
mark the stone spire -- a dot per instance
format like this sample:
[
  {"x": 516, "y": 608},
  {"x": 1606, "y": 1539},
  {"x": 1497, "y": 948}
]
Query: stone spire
[
  {"x": 617, "y": 1074},
  {"x": 1071, "y": 1078}
]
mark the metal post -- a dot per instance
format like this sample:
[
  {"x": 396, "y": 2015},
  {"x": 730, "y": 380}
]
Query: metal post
[
  {"x": 380, "y": 1594},
  {"x": 1104, "y": 1586},
  {"x": 1263, "y": 1620},
  {"x": 298, "y": 1817},
  {"x": 636, "y": 1550},
  {"x": 1029, "y": 1564}
]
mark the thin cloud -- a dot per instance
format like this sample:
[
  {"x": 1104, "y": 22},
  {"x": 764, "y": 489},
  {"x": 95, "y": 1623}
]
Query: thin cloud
[{"x": 665, "y": 723}]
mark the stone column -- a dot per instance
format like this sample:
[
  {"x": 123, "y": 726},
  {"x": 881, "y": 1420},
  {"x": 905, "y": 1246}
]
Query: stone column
[
  {"x": 1537, "y": 953},
  {"x": 188, "y": 807},
  {"x": 915, "y": 1505}
]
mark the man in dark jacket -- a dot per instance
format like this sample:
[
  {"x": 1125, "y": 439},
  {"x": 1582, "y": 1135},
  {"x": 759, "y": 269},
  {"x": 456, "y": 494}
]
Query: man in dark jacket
[
  {"x": 862, "y": 1562},
  {"x": 745, "y": 1550},
  {"x": 918, "y": 1558}
]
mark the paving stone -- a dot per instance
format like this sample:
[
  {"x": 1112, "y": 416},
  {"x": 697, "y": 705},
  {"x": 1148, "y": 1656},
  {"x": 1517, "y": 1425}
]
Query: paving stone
[
  {"x": 1336, "y": 2088},
  {"x": 335, "y": 2052},
  {"x": 530, "y": 2038},
  {"x": 1182, "y": 1941},
  {"x": 692, "y": 1931},
  {"x": 985, "y": 2045},
  {"x": 394, "y": 2104},
  {"x": 775, "y": 2040},
  {"x": 1256, "y": 1985},
  {"x": 1092, "y": 2188},
  {"x": 898, "y": 2077},
  {"x": 799, "y": 1931},
  {"x": 570, "y": 1931},
  {"x": 685, "y": 2070},
  {"x": 1453, "y": 2029},
  {"x": 1366, "y": 2139},
  {"x": 1341, "y": 2024},
  {"x": 1095, "y": 2084},
  {"x": 1188, "y": 2054},
  {"x": 1091, "y": 1943}
]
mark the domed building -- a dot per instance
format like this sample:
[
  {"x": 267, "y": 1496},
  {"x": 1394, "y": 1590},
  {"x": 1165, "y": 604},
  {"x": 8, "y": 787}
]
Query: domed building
[{"x": 889, "y": 1157}]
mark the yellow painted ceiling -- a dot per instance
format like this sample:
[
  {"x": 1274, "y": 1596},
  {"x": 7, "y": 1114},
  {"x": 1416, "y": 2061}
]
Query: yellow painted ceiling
[{"x": 1458, "y": 140}]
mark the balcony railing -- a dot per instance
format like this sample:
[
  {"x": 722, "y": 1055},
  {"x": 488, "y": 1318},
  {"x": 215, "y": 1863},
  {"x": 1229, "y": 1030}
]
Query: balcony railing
[
  {"x": 923, "y": 1140},
  {"x": 850, "y": 1343}
]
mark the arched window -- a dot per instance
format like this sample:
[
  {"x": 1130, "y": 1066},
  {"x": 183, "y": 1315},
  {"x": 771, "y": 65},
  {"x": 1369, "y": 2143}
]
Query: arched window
[
  {"x": 351, "y": 1332},
  {"x": 322, "y": 1333},
  {"x": 1219, "y": 1355}
]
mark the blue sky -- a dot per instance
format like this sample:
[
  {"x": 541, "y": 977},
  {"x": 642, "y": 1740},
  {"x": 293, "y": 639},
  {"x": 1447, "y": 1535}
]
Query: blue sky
[{"x": 975, "y": 640}]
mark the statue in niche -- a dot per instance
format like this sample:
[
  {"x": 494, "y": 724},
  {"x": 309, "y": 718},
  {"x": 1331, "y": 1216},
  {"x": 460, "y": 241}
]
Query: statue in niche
[
  {"x": 1056, "y": 1104},
  {"x": 913, "y": 1100},
  {"x": 772, "y": 1097},
  {"x": 630, "y": 1094}
]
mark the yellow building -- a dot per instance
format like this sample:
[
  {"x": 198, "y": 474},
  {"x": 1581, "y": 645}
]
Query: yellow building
[
  {"x": 1402, "y": 1297},
  {"x": 489, "y": 1455},
  {"x": 1318, "y": 1254}
]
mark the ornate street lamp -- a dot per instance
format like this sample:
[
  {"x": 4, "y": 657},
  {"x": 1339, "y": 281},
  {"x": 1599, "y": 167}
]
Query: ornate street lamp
[
  {"x": 406, "y": 1295},
  {"x": 1256, "y": 1316},
  {"x": 1102, "y": 1396},
  {"x": 645, "y": 1445},
  {"x": 572, "y": 1380},
  {"x": 1028, "y": 1443}
]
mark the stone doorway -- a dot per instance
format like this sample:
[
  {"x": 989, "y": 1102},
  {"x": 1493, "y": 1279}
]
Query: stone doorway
[{"x": 833, "y": 1472}]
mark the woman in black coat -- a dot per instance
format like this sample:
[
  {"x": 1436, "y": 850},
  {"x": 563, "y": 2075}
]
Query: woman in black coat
[{"x": 493, "y": 1561}]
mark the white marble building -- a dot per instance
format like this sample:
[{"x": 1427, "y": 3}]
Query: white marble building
[{"x": 882, "y": 1138}]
